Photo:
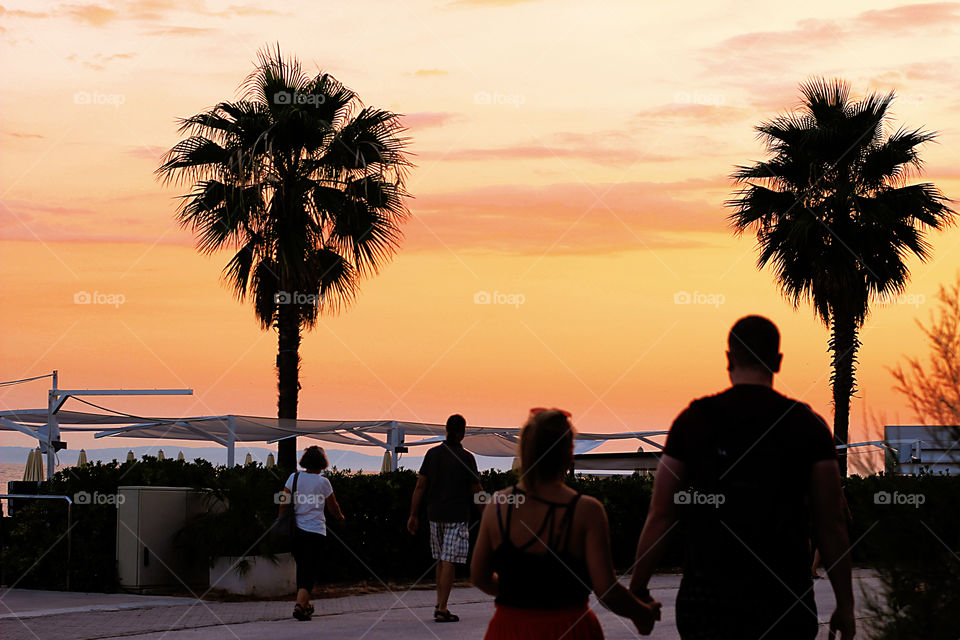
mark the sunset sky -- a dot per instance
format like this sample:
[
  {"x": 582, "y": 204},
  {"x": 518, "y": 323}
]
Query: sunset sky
[{"x": 572, "y": 158}]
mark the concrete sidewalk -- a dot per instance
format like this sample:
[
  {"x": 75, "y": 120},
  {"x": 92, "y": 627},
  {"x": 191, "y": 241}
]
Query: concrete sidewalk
[{"x": 39, "y": 615}]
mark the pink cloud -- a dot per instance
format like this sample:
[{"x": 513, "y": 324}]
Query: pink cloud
[
  {"x": 427, "y": 119},
  {"x": 579, "y": 218}
]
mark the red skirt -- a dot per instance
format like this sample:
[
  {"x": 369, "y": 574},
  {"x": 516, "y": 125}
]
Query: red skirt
[{"x": 575, "y": 623}]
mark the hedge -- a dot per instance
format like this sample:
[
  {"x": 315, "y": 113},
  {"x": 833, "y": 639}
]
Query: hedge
[{"x": 373, "y": 544}]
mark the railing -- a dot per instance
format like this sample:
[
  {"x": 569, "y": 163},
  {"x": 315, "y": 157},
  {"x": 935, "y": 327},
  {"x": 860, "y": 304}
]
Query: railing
[{"x": 69, "y": 501}]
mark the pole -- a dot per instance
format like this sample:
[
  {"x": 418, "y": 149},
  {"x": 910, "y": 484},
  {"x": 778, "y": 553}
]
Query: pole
[
  {"x": 231, "y": 438},
  {"x": 53, "y": 427}
]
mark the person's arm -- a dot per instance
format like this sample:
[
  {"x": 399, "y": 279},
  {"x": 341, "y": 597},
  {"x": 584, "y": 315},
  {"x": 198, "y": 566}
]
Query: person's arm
[
  {"x": 333, "y": 507},
  {"x": 830, "y": 532},
  {"x": 413, "y": 523},
  {"x": 669, "y": 479},
  {"x": 604, "y": 581},
  {"x": 481, "y": 565}
]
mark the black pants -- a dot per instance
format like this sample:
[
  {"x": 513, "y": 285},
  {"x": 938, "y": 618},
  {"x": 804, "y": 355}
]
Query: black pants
[
  {"x": 308, "y": 551},
  {"x": 744, "y": 612}
]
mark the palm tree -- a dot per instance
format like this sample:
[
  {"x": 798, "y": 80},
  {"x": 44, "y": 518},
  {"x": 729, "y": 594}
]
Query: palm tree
[
  {"x": 835, "y": 216},
  {"x": 305, "y": 186}
]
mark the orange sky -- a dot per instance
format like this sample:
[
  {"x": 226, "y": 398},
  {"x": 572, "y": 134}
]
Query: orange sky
[{"x": 572, "y": 155}]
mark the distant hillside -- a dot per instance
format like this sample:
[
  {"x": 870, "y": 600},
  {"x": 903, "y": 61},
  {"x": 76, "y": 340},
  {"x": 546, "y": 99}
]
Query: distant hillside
[{"x": 339, "y": 458}]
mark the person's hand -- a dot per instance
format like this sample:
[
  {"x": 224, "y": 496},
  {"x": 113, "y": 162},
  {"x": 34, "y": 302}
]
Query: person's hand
[
  {"x": 842, "y": 622},
  {"x": 644, "y": 623},
  {"x": 413, "y": 524}
]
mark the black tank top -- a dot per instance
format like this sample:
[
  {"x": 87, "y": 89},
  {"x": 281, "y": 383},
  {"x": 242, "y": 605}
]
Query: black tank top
[{"x": 554, "y": 579}]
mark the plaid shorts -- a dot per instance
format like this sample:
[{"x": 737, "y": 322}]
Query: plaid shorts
[{"x": 449, "y": 541}]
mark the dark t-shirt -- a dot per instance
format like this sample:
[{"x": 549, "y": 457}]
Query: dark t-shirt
[
  {"x": 748, "y": 453},
  {"x": 451, "y": 473}
]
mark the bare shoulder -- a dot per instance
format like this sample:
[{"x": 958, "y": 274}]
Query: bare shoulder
[{"x": 590, "y": 510}]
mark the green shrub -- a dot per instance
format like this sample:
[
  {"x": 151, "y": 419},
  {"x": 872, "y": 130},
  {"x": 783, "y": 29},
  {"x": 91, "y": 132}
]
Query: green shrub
[{"x": 373, "y": 544}]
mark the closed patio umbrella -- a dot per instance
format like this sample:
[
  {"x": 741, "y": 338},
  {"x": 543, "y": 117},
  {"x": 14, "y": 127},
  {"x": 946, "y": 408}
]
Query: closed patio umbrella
[
  {"x": 33, "y": 469},
  {"x": 270, "y": 461},
  {"x": 248, "y": 460},
  {"x": 160, "y": 455},
  {"x": 130, "y": 456},
  {"x": 82, "y": 458},
  {"x": 180, "y": 456},
  {"x": 387, "y": 465}
]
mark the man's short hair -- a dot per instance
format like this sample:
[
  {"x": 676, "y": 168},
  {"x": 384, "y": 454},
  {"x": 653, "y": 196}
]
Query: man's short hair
[
  {"x": 456, "y": 425},
  {"x": 754, "y": 342}
]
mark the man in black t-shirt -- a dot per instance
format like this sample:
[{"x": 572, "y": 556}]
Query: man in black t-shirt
[
  {"x": 747, "y": 474},
  {"x": 450, "y": 479}
]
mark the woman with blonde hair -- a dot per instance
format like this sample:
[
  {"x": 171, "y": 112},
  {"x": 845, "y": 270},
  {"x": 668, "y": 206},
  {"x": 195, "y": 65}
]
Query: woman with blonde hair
[{"x": 542, "y": 547}]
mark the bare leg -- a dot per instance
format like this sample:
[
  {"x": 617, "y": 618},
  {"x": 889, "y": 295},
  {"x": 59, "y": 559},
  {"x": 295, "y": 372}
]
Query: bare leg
[
  {"x": 303, "y": 597},
  {"x": 445, "y": 574}
]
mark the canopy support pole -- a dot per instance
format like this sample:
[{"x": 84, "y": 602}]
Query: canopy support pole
[
  {"x": 231, "y": 440},
  {"x": 395, "y": 442},
  {"x": 53, "y": 427}
]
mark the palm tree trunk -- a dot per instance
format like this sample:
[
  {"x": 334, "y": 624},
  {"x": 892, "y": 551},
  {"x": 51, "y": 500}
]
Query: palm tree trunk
[
  {"x": 288, "y": 378},
  {"x": 844, "y": 344}
]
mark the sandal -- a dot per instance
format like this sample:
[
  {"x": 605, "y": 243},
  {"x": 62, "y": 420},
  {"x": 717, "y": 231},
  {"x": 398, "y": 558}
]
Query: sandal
[
  {"x": 310, "y": 609},
  {"x": 301, "y": 613},
  {"x": 445, "y": 616}
]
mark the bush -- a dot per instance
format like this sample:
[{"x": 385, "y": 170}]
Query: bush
[{"x": 373, "y": 544}]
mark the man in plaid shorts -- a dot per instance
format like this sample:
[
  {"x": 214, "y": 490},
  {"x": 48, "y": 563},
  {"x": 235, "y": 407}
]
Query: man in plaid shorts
[{"x": 450, "y": 479}]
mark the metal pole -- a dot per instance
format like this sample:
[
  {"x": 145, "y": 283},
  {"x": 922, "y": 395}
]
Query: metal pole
[
  {"x": 231, "y": 438},
  {"x": 53, "y": 427}
]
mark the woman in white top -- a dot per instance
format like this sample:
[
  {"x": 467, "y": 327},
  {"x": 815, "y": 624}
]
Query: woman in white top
[{"x": 314, "y": 495}]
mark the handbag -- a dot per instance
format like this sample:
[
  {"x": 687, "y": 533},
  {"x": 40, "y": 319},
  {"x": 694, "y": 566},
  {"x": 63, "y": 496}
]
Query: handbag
[{"x": 283, "y": 528}]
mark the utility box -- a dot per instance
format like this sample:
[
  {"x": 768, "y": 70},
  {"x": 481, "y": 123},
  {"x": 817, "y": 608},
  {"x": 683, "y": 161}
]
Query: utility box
[{"x": 148, "y": 520}]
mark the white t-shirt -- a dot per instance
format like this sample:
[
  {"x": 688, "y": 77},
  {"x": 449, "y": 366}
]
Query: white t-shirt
[{"x": 313, "y": 490}]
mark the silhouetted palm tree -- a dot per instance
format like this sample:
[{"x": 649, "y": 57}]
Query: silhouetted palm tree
[
  {"x": 834, "y": 215},
  {"x": 306, "y": 185}
]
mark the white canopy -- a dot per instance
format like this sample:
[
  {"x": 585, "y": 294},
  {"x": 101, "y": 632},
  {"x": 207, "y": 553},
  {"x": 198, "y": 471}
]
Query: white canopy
[{"x": 229, "y": 429}]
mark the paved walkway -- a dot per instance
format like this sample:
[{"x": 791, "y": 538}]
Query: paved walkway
[{"x": 43, "y": 615}]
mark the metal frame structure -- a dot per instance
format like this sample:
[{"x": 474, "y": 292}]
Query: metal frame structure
[{"x": 48, "y": 435}]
